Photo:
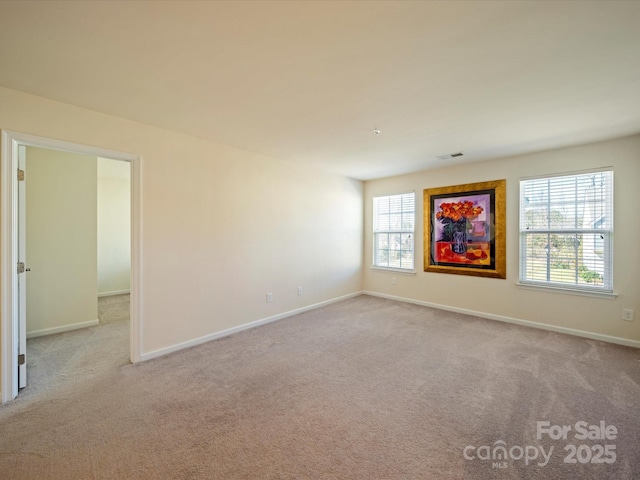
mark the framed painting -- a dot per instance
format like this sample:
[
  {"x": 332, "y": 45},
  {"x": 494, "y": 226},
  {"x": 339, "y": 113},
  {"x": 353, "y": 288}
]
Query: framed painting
[{"x": 464, "y": 229}]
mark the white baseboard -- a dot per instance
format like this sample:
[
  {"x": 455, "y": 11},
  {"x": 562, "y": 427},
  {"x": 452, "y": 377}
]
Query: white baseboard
[
  {"x": 246, "y": 326},
  {"x": 62, "y": 328},
  {"x": 527, "y": 323},
  {"x": 115, "y": 292}
]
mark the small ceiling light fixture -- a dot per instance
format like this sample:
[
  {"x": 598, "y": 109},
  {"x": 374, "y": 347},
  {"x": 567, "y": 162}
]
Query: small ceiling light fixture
[{"x": 376, "y": 131}]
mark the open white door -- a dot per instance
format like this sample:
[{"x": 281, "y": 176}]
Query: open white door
[
  {"x": 22, "y": 268},
  {"x": 13, "y": 286}
]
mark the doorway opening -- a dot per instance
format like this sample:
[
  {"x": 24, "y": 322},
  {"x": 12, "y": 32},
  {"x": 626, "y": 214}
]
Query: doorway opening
[{"x": 112, "y": 272}]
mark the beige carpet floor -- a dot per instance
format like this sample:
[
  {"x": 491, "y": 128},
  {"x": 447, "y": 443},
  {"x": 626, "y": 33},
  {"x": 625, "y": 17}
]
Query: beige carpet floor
[
  {"x": 73, "y": 358},
  {"x": 362, "y": 389}
]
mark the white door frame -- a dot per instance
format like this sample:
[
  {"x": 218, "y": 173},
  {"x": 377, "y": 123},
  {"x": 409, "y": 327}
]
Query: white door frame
[{"x": 9, "y": 321}]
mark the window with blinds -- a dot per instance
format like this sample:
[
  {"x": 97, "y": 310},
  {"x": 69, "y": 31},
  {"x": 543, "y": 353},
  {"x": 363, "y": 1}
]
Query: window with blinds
[
  {"x": 393, "y": 231},
  {"x": 566, "y": 226}
]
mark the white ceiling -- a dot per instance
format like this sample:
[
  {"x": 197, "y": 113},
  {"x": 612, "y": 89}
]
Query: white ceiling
[{"x": 308, "y": 81}]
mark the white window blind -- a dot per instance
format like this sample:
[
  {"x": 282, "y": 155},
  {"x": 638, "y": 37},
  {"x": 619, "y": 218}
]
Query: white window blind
[
  {"x": 393, "y": 230},
  {"x": 566, "y": 227}
]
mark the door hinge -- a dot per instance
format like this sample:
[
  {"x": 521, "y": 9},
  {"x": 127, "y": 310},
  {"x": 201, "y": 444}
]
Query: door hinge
[
  {"x": 20, "y": 175},
  {"x": 21, "y": 359},
  {"x": 20, "y": 267}
]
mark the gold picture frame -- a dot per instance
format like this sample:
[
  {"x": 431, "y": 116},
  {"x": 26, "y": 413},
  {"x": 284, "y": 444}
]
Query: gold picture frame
[{"x": 465, "y": 229}]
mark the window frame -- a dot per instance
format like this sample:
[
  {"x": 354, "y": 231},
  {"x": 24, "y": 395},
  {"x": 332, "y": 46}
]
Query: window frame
[
  {"x": 402, "y": 231},
  {"x": 577, "y": 288}
]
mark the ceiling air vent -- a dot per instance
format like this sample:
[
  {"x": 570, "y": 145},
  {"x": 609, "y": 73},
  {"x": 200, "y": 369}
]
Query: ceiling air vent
[{"x": 449, "y": 156}]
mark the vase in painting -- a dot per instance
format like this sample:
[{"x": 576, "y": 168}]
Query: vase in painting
[{"x": 459, "y": 237}]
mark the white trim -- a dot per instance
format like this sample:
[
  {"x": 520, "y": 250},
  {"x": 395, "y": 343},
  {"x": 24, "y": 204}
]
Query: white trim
[
  {"x": 392, "y": 194},
  {"x": 527, "y": 323},
  {"x": 569, "y": 174},
  {"x": 62, "y": 328},
  {"x": 111, "y": 294},
  {"x": 405, "y": 271},
  {"x": 8, "y": 225},
  {"x": 230, "y": 331},
  {"x": 568, "y": 291},
  {"x": 52, "y": 144},
  {"x": 8, "y": 321}
]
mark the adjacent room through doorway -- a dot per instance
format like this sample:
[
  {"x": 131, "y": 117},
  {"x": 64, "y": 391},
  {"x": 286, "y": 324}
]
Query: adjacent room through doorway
[{"x": 78, "y": 252}]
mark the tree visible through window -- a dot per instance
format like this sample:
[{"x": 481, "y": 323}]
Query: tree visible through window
[
  {"x": 393, "y": 230},
  {"x": 566, "y": 224}
]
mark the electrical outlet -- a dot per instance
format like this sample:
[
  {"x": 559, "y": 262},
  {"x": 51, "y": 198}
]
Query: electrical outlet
[
  {"x": 269, "y": 297},
  {"x": 299, "y": 291},
  {"x": 627, "y": 314},
  {"x": 394, "y": 281}
]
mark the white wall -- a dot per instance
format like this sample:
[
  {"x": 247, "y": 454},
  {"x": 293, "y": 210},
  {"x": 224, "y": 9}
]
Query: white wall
[
  {"x": 114, "y": 226},
  {"x": 61, "y": 241},
  {"x": 220, "y": 227},
  {"x": 503, "y": 297}
]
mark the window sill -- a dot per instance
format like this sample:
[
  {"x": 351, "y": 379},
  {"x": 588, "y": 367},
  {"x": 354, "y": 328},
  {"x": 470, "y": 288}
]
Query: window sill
[
  {"x": 568, "y": 291},
  {"x": 404, "y": 271}
]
